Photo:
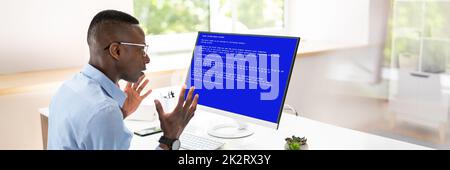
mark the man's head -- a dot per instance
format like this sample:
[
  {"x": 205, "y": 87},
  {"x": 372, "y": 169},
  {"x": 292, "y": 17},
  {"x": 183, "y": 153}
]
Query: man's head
[{"x": 116, "y": 45}]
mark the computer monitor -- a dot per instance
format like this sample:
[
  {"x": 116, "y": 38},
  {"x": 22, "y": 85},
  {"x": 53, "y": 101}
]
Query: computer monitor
[{"x": 242, "y": 76}]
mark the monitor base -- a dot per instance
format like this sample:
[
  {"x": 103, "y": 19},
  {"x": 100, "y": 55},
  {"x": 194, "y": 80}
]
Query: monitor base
[{"x": 230, "y": 130}]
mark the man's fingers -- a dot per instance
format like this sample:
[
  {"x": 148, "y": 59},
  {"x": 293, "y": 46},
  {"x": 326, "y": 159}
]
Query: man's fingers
[
  {"x": 159, "y": 108},
  {"x": 135, "y": 85},
  {"x": 193, "y": 107},
  {"x": 141, "y": 87},
  {"x": 181, "y": 97},
  {"x": 128, "y": 85},
  {"x": 146, "y": 94},
  {"x": 189, "y": 98}
]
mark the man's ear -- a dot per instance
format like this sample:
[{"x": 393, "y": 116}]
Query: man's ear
[{"x": 114, "y": 50}]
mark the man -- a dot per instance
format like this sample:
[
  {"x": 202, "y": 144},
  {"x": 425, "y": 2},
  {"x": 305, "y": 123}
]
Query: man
[{"x": 87, "y": 111}]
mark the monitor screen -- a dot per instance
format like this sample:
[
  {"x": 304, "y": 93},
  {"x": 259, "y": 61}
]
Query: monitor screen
[{"x": 242, "y": 74}]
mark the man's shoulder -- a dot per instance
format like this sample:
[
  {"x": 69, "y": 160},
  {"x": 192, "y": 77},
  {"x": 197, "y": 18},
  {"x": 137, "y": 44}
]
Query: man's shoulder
[
  {"x": 81, "y": 84},
  {"x": 82, "y": 94},
  {"x": 83, "y": 88}
]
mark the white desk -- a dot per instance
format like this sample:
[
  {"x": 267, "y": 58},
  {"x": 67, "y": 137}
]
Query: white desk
[{"x": 319, "y": 135}]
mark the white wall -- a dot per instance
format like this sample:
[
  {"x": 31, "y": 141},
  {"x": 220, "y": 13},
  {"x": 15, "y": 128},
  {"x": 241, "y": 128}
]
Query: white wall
[
  {"x": 362, "y": 22},
  {"x": 330, "y": 20},
  {"x": 339, "y": 87},
  {"x": 48, "y": 34}
]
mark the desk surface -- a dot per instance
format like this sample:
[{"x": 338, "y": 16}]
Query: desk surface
[{"x": 319, "y": 135}]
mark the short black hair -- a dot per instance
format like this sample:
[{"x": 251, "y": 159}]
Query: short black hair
[{"x": 109, "y": 16}]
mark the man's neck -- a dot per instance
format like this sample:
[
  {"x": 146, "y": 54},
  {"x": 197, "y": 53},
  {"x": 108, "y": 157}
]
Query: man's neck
[{"x": 107, "y": 70}]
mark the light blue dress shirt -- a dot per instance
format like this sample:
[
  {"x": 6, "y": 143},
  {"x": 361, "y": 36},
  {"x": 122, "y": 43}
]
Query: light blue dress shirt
[{"x": 85, "y": 113}]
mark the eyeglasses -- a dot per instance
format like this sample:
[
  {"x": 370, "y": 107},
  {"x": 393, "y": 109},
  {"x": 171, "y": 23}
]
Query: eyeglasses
[{"x": 144, "y": 50}]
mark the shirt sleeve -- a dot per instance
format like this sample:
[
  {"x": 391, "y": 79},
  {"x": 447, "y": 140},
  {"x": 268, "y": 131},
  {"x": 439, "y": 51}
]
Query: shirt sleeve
[{"x": 107, "y": 131}]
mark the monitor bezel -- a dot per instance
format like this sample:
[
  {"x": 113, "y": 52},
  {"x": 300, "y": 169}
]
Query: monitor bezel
[{"x": 239, "y": 116}]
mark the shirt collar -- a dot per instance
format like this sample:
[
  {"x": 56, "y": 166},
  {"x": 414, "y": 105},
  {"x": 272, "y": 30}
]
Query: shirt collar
[{"x": 112, "y": 89}]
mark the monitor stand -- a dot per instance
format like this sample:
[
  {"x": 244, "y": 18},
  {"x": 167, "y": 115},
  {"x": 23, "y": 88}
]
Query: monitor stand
[{"x": 230, "y": 130}]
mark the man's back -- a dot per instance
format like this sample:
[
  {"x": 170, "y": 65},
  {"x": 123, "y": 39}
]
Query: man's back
[{"x": 85, "y": 114}]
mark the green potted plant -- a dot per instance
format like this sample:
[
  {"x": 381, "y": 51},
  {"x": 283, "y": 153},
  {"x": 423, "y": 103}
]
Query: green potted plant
[{"x": 296, "y": 143}]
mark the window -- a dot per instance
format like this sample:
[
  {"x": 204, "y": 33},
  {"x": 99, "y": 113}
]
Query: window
[
  {"x": 173, "y": 24},
  {"x": 420, "y": 36},
  {"x": 245, "y": 15},
  {"x": 172, "y": 16}
]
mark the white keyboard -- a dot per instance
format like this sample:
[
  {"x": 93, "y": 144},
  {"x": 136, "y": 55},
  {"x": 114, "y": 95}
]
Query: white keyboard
[{"x": 194, "y": 142}]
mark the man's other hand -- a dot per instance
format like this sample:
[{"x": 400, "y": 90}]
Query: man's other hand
[{"x": 173, "y": 123}]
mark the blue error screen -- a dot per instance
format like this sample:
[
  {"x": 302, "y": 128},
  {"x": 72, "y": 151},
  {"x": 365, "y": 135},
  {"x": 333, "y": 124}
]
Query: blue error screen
[{"x": 243, "y": 74}]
